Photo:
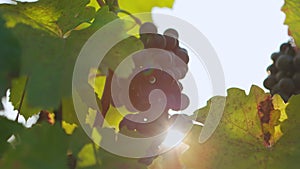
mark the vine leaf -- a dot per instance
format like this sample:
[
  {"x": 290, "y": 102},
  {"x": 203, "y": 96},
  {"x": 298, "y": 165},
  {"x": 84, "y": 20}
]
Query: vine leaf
[
  {"x": 120, "y": 52},
  {"x": 238, "y": 141},
  {"x": 49, "y": 61},
  {"x": 86, "y": 157},
  {"x": 10, "y": 53},
  {"x": 7, "y": 129},
  {"x": 68, "y": 111},
  {"x": 55, "y": 17},
  {"x": 114, "y": 116},
  {"x": 291, "y": 8},
  {"x": 18, "y": 97},
  {"x": 43, "y": 146}
]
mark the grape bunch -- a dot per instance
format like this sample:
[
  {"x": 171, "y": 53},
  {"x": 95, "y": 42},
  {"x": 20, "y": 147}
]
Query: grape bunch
[
  {"x": 160, "y": 66},
  {"x": 167, "y": 63},
  {"x": 284, "y": 73}
]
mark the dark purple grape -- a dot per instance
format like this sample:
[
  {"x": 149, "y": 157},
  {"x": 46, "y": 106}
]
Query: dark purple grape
[
  {"x": 153, "y": 41},
  {"x": 146, "y": 81},
  {"x": 275, "y": 89},
  {"x": 296, "y": 79},
  {"x": 275, "y": 56},
  {"x": 280, "y": 75},
  {"x": 148, "y": 27},
  {"x": 182, "y": 54},
  {"x": 287, "y": 48},
  {"x": 284, "y": 96},
  {"x": 272, "y": 69},
  {"x": 285, "y": 63},
  {"x": 284, "y": 47},
  {"x": 171, "y": 43},
  {"x": 269, "y": 82},
  {"x": 286, "y": 85},
  {"x": 172, "y": 33},
  {"x": 296, "y": 62}
]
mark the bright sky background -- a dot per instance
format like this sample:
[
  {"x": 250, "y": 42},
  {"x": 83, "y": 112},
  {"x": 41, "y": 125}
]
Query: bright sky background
[{"x": 243, "y": 33}]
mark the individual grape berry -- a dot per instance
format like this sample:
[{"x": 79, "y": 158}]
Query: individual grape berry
[
  {"x": 296, "y": 61},
  {"x": 275, "y": 56},
  {"x": 171, "y": 43},
  {"x": 296, "y": 79},
  {"x": 285, "y": 63},
  {"x": 182, "y": 54},
  {"x": 275, "y": 89},
  {"x": 272, "y": 69},
  {"x": 280, "y": 75},
  {"x": 172, "y": 33},
  {"x": 270, "y": 81},
  {"x": 148, "y": 80},
  {"x": 287, "y": 48},
  {"x": 148, "y": 27},
  {"x": 153, "y": 41},
  {"x": 286, "y": 85}
]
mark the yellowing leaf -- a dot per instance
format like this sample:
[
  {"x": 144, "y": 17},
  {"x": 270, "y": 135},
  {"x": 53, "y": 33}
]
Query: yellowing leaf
[
  {"x": 86, "y": 156},
  {"x": 90, "y": 118},
  {"x": 114, "y": 116},
  {"x": 139, "y": 6},
  {"x": 69, "y": 128},
  {"x": 291, "y": 8},
  {"x": 97, "y": 81},
  {"x": 279, "y": 104}
]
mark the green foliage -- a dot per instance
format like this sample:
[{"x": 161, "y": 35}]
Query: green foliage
[
  {"x": 238, "y": 141},
  {"x": 40, "y": 43},
  {"x": 291, "y": 8},
  {"x": 7, "y": 129},
  {"x": 19, "y": 99},
  {"x": 43, "y": 146},
  {"x": 10, "y": 52},
  {"x": 54, "y": 17}
]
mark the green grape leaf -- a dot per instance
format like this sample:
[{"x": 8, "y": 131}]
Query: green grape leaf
[
  {"x": 287, "y": 151},
  {"x": 54, "y": 16},
  {"x": 43, "y": 146},
  {"x": 10, "y": 52},
  {"x": 7, "y": 129},
  {"x": 120, "y": 52},
  {"x": 238, "y": 141},
  {"x": 68, "y": 111},
  {"x": 291, "y": 8},
  {"x": 49, "y": 61},
  {"x": 18, "y": 97},
  {"x": 109, "y": 160}
]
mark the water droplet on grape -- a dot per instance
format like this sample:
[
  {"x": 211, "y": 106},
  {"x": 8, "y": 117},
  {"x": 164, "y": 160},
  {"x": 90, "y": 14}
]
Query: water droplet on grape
[{"x": 152, "y": 80}]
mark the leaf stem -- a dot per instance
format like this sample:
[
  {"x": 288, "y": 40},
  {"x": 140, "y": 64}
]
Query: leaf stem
[
  {"x": 22, "y": 99},
  {"x": 101, "y": 3},
  {"x": 105, "y": 99}
]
